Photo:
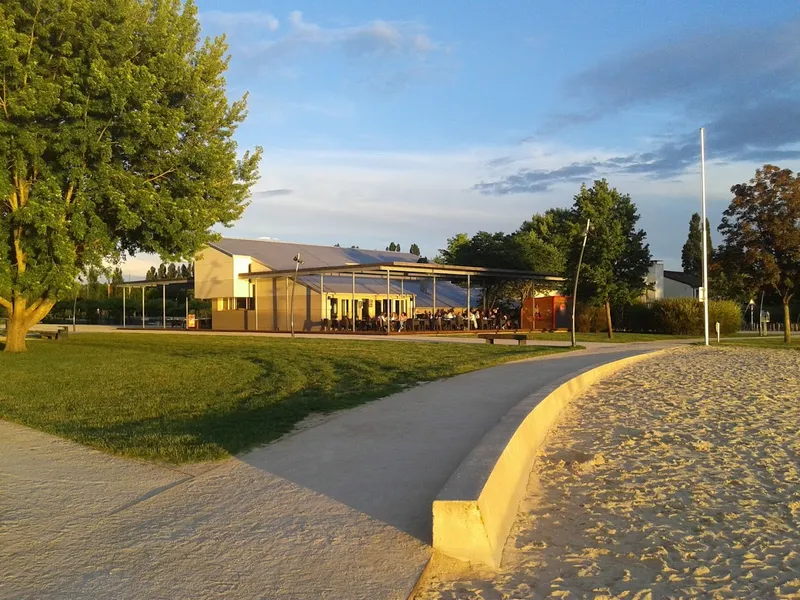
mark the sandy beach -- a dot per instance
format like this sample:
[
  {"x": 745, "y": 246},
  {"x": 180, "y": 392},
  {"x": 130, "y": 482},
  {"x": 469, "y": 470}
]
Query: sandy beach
[{"x": 679, "y": 477}]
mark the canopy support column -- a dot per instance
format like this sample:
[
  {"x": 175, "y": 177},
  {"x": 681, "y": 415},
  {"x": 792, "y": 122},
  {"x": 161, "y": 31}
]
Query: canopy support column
[
  {"x": 434, "y": 296},
  {"x": 143, "y": 290},
  {"x": 388, "y": 310},
  {"x": 123, "y": 306},
  {"x": 323, "y": 314},
  {"x": 255, "y": 302},
  {"x": 287, "y": 304},
  {"x": 353, "y": 303},
  {"x": 163, "y": 306},
  {"x": 468, "y": 304},
  {"x": 186, "y": 322}
]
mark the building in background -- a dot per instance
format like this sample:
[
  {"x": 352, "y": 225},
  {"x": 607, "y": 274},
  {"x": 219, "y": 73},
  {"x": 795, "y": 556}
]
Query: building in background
[
  {"x": 249, "y": 284},
  {"x": 669, "y": 284}
]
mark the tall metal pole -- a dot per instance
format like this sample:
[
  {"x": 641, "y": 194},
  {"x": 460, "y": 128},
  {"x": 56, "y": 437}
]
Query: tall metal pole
[
  {"x": 143, "y": 324},
  {"x": 575, "y": 286},
  {"x": 297, "y": 263},
  {"x": 703, "y": 229},
  {"x": 163, "y": 306},
  {"x": 186, "y": 322}
]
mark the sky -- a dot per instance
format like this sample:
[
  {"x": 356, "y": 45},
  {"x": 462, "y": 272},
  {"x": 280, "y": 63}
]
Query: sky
[{"x": 413, "y": 121}]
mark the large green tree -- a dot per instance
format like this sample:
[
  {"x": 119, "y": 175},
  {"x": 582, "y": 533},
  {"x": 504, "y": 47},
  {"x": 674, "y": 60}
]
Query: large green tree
[
  {"x": 692, "y": 252},
  {"x": 523, "y": 250},
  {"x": 116, "y": 136},
  {"x": 617, "y": 257},
  {"x": 761, "y": 230}
]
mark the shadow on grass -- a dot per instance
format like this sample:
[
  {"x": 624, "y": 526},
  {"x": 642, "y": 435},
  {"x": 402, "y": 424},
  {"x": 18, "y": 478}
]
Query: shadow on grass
[{"x": 259, "y": 417}]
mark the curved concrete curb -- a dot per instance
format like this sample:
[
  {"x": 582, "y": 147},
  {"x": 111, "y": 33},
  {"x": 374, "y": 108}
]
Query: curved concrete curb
[{"x": 474, "y": 512}]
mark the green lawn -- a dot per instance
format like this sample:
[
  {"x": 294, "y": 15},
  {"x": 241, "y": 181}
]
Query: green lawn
[
  {"x": 179, "y": 398},
  {"x": 772, "y": 341},
  {"x": 619, "y": 338}
]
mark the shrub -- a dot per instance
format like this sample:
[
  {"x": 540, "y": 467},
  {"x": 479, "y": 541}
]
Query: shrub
[
  {"x": 727, "y": 313},
  {"x": 681, "y": 316},
  {"x": 590, "y": 319}
]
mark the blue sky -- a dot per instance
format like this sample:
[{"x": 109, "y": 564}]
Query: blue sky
[{"x": 412, "y": 121}]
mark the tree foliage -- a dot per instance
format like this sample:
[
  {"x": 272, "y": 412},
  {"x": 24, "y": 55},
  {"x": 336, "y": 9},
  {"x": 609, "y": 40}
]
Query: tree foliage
[
  {"x": 692, "y": 252},
  {"x": 116, "y": 137},
  {"x": 414, "y": 249},
  {"x": 523, "y": 250},
  {"x": 761, "y": 231},
  {"x": 617, "y": 256}
]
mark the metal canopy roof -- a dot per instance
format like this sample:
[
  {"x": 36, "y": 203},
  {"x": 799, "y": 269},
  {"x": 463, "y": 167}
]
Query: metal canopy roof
[
  {"x": 410, "y": 269},
  {"x": 145, "y": 283}
]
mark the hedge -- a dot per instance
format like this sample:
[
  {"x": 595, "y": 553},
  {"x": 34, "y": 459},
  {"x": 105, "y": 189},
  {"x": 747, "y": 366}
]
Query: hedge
[{"x": 680, "y": 316}]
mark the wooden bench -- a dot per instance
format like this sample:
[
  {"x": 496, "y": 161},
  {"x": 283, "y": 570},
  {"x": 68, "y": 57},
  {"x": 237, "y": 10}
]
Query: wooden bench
[
  {"x": 521, "y": 339},
  {"x": 61, "y": 334}
]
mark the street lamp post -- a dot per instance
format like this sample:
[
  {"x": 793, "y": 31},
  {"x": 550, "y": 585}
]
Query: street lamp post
[
  {"x": 577, "y": 273},
  {"x": 752, "y": 308},
  {"x": 297, "y": 263}
]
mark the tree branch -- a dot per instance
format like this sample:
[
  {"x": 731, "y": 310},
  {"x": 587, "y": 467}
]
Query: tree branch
[
  {"x": 68, "y": 195},
  {"x": 30, "y": 43},
  {"x": 6, "y": 304},
  {"x": 3, "y": 101},
  {"x": 160, "y": 175},
  {"x": 39, "y": 311}
]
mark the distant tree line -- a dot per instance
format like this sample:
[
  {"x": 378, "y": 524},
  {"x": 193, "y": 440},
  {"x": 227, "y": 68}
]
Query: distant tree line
[{"x": 170, "y": 272}]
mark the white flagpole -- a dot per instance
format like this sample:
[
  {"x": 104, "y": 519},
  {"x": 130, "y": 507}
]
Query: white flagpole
[{"x": 703, "y": 230}]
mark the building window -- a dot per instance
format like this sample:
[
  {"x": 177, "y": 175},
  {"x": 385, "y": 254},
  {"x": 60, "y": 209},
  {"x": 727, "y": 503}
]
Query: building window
[{"x": 242, "y": 303}]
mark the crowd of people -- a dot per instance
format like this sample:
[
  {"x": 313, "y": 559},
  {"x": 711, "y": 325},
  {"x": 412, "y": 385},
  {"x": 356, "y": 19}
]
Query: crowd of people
[{"x": 442, "y": 319}]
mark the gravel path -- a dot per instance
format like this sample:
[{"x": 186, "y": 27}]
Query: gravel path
[{"x": 676, "y": 478}]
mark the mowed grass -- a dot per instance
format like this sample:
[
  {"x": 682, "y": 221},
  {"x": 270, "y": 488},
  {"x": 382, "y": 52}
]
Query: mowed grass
[
  {"x": 772, "y": 341},
  {"x": 619, "y": 337},
  {"x": 180, "y": 398}
]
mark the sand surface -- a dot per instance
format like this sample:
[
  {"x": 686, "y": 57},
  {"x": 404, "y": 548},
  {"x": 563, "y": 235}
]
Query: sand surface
[{"x": 679, "y": 477}]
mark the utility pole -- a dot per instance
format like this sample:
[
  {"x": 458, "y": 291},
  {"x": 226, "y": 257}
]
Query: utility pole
[{"x": 577, "y": 274}]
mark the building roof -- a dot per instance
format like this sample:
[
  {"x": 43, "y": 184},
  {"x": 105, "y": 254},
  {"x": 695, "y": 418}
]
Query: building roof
[
  {"x": 278, "y": 255},
  {"x": 692, "y": 281}
]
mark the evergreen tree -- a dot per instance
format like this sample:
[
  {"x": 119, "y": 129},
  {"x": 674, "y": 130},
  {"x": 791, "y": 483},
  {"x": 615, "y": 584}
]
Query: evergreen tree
[
  {"x": 172, "y": 271},
  {"x": 692, "y": 252},
  {"x": 184, "y": 271},
  {"x": 162, "y": 272},
  {"x": 152, "y": 274},
  {"x": 414, "y": 250}
]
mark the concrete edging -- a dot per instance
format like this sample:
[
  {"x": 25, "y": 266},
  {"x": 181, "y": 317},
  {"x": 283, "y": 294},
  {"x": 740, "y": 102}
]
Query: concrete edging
[{"x": 474, "y": 512}]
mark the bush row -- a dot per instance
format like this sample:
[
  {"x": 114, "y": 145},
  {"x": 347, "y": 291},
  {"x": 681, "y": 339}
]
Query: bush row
[{"x": 674, "y": 316}]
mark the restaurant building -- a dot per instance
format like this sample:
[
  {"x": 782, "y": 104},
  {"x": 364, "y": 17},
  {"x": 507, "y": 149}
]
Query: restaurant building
[{"x": 250, "y": 285}]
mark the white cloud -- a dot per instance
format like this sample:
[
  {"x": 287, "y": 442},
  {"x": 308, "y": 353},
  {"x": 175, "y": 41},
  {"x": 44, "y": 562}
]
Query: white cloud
[
  {"x": 374, "y": 38},
  {"x": 369, "y": 199},
  {"x": 232, "y": 21}
]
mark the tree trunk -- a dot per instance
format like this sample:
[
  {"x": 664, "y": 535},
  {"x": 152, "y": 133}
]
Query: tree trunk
[
  {"x": 15, "y": 336},
  {"x": 787, "y": 322},
  {"x": 608, "y": 321}
]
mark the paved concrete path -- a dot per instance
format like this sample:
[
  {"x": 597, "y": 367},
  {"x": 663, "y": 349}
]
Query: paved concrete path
[{"x": 339, "y": 510}]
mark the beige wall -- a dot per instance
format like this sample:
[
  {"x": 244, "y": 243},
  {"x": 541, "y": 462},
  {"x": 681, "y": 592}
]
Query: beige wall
[
  {"x": 216, "y": 275},
  {"x": 227, "y": 320},
  {"x": 273, "y": 298},
  {"x": 213, "y": 275}
]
